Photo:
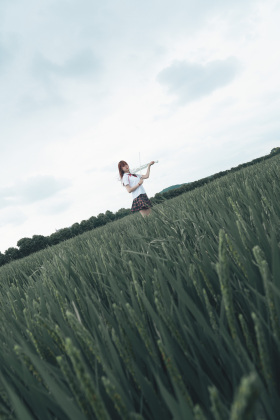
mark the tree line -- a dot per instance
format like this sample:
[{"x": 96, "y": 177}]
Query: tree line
[
  {"x": 27, "y": 246},
  {"x": 160, "y": 197}
]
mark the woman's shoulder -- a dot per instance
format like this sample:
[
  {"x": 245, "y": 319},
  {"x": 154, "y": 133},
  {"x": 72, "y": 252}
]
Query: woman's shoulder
[{"x": 125, "y": 179}]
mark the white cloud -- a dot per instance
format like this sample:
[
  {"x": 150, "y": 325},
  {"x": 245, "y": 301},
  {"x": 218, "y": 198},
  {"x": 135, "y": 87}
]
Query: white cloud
[{"x": 4, "y": 57}]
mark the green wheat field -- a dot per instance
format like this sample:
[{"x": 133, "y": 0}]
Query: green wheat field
[{"x": 175, "y": 316}]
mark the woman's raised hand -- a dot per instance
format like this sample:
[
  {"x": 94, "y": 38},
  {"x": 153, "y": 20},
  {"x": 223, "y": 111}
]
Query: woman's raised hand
[{"x": 151, "y": 163}]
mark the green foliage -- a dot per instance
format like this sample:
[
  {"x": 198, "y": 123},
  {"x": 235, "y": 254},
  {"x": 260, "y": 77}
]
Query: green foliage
[
  {"x": 29, "y": 245},
  {"x": 171, "y": 188},
  {"x": 175, "y": 316},
  {"x": 11, "y": 254}
]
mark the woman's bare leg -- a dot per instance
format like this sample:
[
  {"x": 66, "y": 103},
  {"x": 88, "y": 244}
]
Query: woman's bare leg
[{"x": 145, "y": 213}]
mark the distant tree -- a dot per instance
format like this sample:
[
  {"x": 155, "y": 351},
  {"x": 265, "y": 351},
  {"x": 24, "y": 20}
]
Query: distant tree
[
  {"x": 12, "y": 254},
  {"x": 158, "y": 198},
  {"x": 275, "y": 150},
  {"x": 102, "y": 219},
  {"x": 25, "y": 246},
  {"x": 59, "y": 236},
  {"x": 122, "y": 213},
  {"x": 92, "y": 222},
  {"x": 3, "y": 259},
  {"x": 29, "y": 245},
  {"x": 75, "y": 229},
  {"x": 171, "y": 193},
  {"x": 85, "y": 225},
  {"x": 109, "y": 215},
  {"x": 39, "y": 242}
]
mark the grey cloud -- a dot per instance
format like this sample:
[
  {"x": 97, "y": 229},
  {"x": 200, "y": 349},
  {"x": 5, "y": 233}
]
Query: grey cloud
[
  {"x": 190, "y": 81},
  {"x": 83, "y": 63},
  {"x": 41, "y": 187},
  {"x": 41, "y": 99},
  {"x": 32, "y": 190},
  {"x": 5, "y": 56},
  {"x": 46, "y": 92}
]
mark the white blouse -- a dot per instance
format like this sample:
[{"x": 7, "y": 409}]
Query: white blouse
[{"x": 129, "y": 179}]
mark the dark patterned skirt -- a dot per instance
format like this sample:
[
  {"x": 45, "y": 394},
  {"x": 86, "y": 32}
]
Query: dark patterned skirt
[{"x": 141, "y": 202}]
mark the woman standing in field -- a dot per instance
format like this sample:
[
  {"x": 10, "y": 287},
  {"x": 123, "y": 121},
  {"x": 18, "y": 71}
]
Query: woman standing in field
[{"x": 133, "y": 184}]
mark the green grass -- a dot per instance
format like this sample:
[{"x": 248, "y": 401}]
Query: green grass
[{"x": 174, "y": 317}]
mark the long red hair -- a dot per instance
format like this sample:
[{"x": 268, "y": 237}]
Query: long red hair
[{"x": 120, "y": 167}]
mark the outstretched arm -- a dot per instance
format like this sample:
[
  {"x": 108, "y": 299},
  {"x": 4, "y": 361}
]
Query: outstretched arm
[{"x": 148, "y": 171}]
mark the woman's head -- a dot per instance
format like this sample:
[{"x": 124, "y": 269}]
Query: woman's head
[{"x": 123, "y": 167}]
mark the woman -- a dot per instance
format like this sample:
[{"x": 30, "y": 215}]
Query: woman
[{"x": 133, "y": 184}]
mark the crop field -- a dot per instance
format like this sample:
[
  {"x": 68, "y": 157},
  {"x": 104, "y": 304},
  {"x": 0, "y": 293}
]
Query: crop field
[{"x": 175, "y": 316}]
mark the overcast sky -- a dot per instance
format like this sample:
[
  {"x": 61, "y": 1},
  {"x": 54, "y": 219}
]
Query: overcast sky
[{"x": 86, "y": 83}]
